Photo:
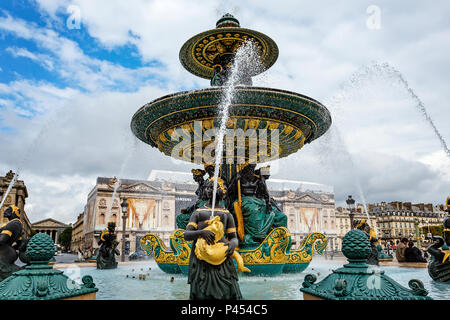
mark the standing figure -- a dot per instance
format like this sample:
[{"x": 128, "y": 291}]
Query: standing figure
[
  {"x": 106, "y": 255},
  {"x": 439, "y": 265},
  {"x": 259, "y": 215},
  {"x": 12, "y": 245},
  {"x": 183, "y": 218},
  {"x": 212, "y": 274},
  {"x": 371, "y": 235}
]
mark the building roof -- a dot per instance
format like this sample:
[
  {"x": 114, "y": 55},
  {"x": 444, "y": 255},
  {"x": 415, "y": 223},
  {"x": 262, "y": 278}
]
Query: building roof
[{"x": 50, "y": 223}]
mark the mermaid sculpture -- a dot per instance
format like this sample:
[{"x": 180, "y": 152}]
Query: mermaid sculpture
[
  {"x": 212, "y": 274},
  {"x": 256, "y": 213},
  {"x": 12, "y": 244},
  {"x": 106, "y": 255},
  {"x": 371, "y": 235},
  {"x": 439, "y": 265}
]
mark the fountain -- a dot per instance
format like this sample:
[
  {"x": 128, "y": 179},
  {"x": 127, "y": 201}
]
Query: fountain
[{"x": 256, "y": 125}]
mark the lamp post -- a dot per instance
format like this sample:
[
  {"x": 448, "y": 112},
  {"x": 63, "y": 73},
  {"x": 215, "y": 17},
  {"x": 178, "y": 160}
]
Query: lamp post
[
  {"x": 124, "y": 206},
  {"x": 351, "y": 207},
  {"x": 416, "y": 225}
]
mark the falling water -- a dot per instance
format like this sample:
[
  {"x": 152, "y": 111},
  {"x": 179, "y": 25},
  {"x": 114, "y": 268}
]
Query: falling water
[
  {"x": 387, "y": 71},
  {"x": 391, "y": 71},
  {"x": 13, "y": 180},
  {"x": 367, "y": 73},
  {"x": 246, "y": 59},
  {"x": 122, "y": 168}
]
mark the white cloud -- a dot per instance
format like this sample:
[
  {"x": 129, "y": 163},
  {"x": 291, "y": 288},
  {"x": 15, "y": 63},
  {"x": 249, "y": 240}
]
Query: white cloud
[{"x": 379, "y": 139}]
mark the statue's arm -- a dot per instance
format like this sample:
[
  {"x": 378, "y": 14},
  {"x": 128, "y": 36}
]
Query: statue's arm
[
  {"x": 192, "y": 232},
  {"x": 230, "y": 232},
  {"x": 262, "y": 186},
  {"x": 12, "y": 228},
  {"x": 4, "y": 238}
]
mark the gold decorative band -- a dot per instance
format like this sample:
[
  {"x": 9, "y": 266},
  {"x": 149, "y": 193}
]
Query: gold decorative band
[
  {"x": 9, "y": 233},
  {"x": 447, "y": 230},
  {"x": 193, "y": 224},
  {"x": 231, "y": 230},
  {"x": 361, "y": 223}
]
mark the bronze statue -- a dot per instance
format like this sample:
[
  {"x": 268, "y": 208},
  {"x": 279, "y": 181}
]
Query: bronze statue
[
  {"x": 183, "y": 218},
  {"x": 252, "y": 206},
  {"x": 439, "y": 265},
  {"x": 108, "y": 248},
  {"x": 12, "y": 243},
  {"x": 371, "y": 235},
  {"x": 212, "y": 274}
]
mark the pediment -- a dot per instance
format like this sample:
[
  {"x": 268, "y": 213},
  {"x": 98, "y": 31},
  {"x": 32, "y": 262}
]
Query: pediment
[
  {"x": 307, "y": 198},
  {"x": 141, "y": 187},
  {"x": 49, "y": 223}
]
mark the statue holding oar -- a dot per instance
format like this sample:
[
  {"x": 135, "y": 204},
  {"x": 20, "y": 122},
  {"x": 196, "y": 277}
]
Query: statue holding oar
[{"x": 256, "y": 212}]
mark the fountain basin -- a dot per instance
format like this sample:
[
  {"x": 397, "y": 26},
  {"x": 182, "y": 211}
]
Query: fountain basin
[
  {"x": 163, "y": 122},
  {"x": 113, "y": 284},
  {"x": 272, "y": 257}
]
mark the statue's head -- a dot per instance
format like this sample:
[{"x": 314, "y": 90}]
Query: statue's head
[
  {"x": 198, "y": 174},
  {"x": 447, "y": 204},
  {"x": 209, "y": 168},
  {"x": 209, "y": 189},
  {"x": 12, "y": 212},
  {"x": 264, "y": 172},
  {"x": 248, "y": 168},
  {"x": 111, "y": 226}
]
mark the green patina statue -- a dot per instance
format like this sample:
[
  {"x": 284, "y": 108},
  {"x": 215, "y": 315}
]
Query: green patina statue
[
  {"x": 12, "y": 244},
  {"x": 106, "y": 255},
  {"x": 183, "y": 218},
  {"x": 39, "y": 281},
  {"x": 357, "y": 280},
  {"x": 255, "y": 212},
  {"x": 439, "y": 265},
  {"x": 212, "y": 274}
]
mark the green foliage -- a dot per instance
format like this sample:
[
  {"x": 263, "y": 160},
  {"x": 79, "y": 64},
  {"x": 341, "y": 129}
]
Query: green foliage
[
  {"x": 65, "y": 237},
  {"x": 435, "y": 230}
]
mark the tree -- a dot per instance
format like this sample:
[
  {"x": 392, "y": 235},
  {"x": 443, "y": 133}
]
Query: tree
[
  {"x": 65, "y": 237},
  {"x": 434, "y": 230}
]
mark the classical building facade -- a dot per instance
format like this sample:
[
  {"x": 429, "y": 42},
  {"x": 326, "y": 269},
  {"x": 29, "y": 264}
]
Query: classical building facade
[
  {"x": 398, "y": 220},
  {"x": 51, "y": 227},
  {"x": 154, "y": 205},
  {"x": 308, "y": 211},
  {"x": 77, "y": 234},
  {"x": 16, "y": 197},
  {"x": 152, "y": 209}
]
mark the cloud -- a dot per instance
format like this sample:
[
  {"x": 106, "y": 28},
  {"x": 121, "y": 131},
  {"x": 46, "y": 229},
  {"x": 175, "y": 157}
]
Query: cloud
[{"x": 75, "y": 127}]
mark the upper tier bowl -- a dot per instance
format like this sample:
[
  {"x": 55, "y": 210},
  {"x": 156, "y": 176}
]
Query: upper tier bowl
[{"x": 190, "y": 114}]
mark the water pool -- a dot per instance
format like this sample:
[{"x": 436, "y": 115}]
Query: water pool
[{"x": 114, "y": 284}]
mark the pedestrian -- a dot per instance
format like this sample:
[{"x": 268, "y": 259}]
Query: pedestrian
[
  {"x": 400, "y": 252},
  {"x": 331, "y": 254},
  {"x": 413, "y": 254}
]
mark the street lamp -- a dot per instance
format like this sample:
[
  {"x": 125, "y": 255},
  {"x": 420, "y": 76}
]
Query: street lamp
[
  {"x": 416, "y": 225},
  {"x": 351, "y": 207},
  {"x": 124, "y": 206}
]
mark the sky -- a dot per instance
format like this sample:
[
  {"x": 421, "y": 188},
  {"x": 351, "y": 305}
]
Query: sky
[{"x": 73, "y": 73}]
